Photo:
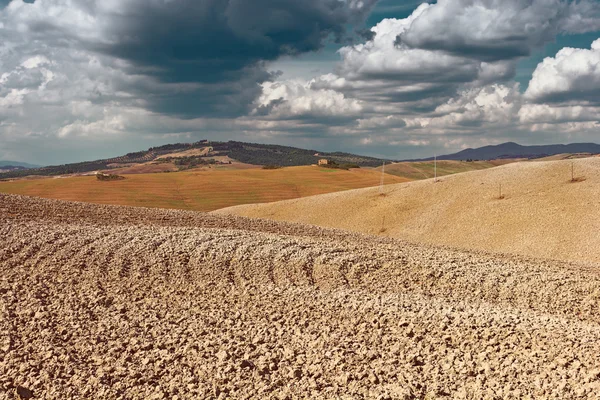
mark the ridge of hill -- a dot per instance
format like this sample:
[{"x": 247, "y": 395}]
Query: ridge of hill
[
  {"x": 4, "y": 164},
  {"x": 417, "y": 170},
  {"x": 248, "y": 153},
  {"x": 530, "y": 208},
  {"x": 515, "y": 150},
  {"x": 11, "y": 168}
]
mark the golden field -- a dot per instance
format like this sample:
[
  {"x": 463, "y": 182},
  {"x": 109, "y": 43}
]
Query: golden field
[{"x": 201, "y": 190}]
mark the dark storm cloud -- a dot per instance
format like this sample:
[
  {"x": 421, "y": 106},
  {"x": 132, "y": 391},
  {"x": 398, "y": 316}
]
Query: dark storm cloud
[
  {"x": 212, "y": 40},
  {"x": 220, "y": 45},
  {"x": 506, "y": 49},
  {"x": 366, "y": 34},
  {"x": 208, "y": 55}
]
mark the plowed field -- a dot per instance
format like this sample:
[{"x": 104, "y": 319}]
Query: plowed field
[{"x": 117, "y": 302}]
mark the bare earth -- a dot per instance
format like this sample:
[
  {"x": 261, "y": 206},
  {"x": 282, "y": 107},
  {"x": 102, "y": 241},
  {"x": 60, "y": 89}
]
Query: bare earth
[
  {"x": 528, "y": 208},
  {"x": 131, "y": 303}
]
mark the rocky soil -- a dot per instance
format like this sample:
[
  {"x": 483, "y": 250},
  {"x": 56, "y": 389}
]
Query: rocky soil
[{"x": 115, "y": 302}]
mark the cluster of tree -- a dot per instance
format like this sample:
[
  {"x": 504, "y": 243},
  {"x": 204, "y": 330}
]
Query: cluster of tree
[
  {"x": 12, "y": 168},
  {"x": 175, "y": 147},
  {"x": 334, "y": 165},
  {"x": 267, "y": 154},
  {"x": 65, "y": 169},
  {"x": 184, "y": 163},
  {"x": 109, "y": 177}
]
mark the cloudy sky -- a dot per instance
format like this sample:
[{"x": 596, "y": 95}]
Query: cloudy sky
[{"x": 86, "y": 79}]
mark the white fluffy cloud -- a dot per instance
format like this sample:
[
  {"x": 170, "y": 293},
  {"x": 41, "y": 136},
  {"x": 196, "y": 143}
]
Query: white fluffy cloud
[
  {"x": 385, "y": 69},
  {"x": 564, "y": 92},
  {"x": 573, "y": 75},
  {"x": 442, "y": 48},
  {"x": 497, "y": 29},
  {"x": 494, "y": 105},
  {"x": 296, "y": 99},
  {"x": 546, "y": 113}
]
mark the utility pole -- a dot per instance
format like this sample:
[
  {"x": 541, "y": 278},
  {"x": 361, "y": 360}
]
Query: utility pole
[
  {"x": 382, "y": 177},
  {"x": 435, "y": 167}
]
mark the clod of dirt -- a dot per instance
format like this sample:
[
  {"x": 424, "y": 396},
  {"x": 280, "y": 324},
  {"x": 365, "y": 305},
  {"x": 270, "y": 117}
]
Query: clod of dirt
[
  {"x": 23, "y": 393},
  {"x": 103, "y": 302}
]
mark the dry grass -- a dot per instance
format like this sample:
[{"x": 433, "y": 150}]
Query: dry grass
[
  {"x": 202, "y": 190},
  {"x": 542, "y": 213}
]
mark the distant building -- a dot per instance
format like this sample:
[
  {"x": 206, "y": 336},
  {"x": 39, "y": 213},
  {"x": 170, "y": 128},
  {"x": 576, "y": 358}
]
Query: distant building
[{"x": 324, "y": 161}]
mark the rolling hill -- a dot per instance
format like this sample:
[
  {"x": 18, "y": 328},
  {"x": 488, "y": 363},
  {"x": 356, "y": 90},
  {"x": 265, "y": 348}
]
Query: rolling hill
[
  {"x": 515, "y": 150},
  {"x": 12, "y": 166},
  {"x": 529, "y": 208},
  {"x": 182, "y": 156},
  {"x": 203, "y": 190},
  {"x": 5, "y": 163},
  {"x": 416, "y": 170}
]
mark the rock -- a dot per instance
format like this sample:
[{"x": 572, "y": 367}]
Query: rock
[
  {"x": 23, "y": 393},
  {"x": 295, "y": 373},
  {"x": 373, "y": 378},
  {"x": 222, "y": 355}
]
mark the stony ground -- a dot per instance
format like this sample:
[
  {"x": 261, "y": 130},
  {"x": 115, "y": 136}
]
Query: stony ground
[{"x": 114, "y": 302}]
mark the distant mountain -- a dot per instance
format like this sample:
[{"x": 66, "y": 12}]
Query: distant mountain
[
  {"x": 515, "y": 150},
  {"x": 4, "y": 164},
  {"x": 249, "y": 153}
]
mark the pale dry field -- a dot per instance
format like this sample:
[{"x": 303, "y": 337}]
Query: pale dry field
[
  {"x": 416, "y": 170},
  {"x": 541, "y": 212},
  {"x": 107, "y": 302}
]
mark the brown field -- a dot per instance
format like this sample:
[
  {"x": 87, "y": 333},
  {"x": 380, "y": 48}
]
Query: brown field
[
  {"x": 416, "y": 170},
  {"x": 204, "y": 190},
  {"x": 108, "y": 302},
  {"x": 539, "y": 211}
]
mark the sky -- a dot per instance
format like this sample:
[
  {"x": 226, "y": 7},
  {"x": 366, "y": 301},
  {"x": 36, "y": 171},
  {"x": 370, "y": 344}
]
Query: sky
[{"x": 89, "y": 79}]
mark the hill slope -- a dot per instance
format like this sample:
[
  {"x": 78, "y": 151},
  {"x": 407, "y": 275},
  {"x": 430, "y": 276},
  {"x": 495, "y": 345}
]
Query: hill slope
[
  {"x": 542, "y": 213},
  {"x": 417, "y": 170},
  {"x": 203, "y": 190},
  {"x": 203, "y": 153},
  {"x": 168, "y": 303},
  {"x": 515, "y": 150},
  {"x": 4, "y": 163}
]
